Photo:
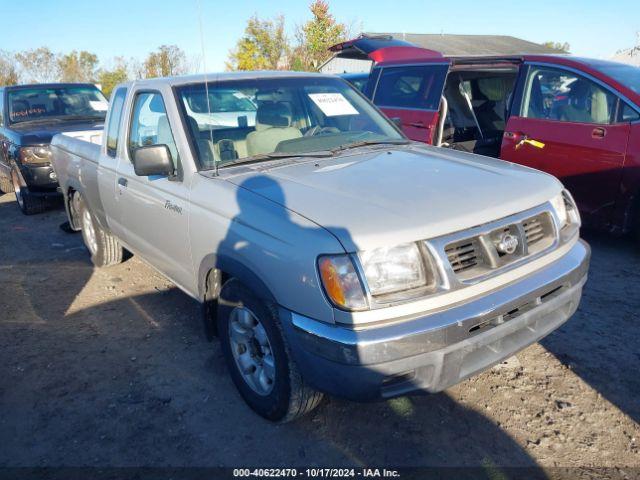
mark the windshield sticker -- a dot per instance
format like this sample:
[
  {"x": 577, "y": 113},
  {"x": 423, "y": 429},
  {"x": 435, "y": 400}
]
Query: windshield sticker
[
  {"x": 333, "y": 104},
  {"x": 99, "y": 105}
]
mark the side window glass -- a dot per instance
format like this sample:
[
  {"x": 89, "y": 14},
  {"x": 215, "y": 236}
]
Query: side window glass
[
  {"x": 113, "y": 129},
  {"x": 628, "y": 114},
  {"x": 150, "y": 125},
  {"x": 1, "y": 108},
  {"x": 556, "y": 94},
  {"x": 411, "y": 87}
]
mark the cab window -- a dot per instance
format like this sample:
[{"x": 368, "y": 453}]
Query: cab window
[
  {"x": 150, "y": 125},
  {"x": 559, "y": 95},
  {"x": 411, "y": 87},
  {"x": 113, "y": 129}
]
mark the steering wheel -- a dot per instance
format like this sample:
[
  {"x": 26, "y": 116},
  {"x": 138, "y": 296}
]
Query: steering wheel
[{"x": 319, "y": 130}]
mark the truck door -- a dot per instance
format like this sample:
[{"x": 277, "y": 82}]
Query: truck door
[
  {"x": 411, "y": 93},
  {"x": 109, "y": 158},
  {"x": 566, "y": 124},
  {"x": 155, "y": 209}
]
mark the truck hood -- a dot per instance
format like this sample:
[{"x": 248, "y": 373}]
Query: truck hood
[
  {"x": 386, "y": 197},
  {"x": 40, "y": 133}
]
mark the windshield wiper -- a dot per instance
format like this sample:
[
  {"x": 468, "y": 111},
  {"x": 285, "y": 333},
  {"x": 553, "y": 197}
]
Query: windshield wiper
[
  {"x": 363, "y": 143},
  {"x": 276, "y": 155},
  {"x": 82, "y": 117}
]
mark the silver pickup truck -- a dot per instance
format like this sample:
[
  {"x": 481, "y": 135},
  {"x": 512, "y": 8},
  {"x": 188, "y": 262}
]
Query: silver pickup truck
[{"x": 330, "y": 253}]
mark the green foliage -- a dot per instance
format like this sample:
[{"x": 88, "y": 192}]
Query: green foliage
[
  {"x": 264, "y": 46},
  {"x": 77, "y": 67},
  {"x": 563, "y": 47},
  {"x": 167, "y": 61},
  {"x": 109, "y": 78},
  {"x": 316, "y": 36}
]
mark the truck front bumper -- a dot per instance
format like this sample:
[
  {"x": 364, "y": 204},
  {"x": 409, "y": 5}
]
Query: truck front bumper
[
  {"x": 435, "y": 351},
  {"x": 39, "y": 179}
]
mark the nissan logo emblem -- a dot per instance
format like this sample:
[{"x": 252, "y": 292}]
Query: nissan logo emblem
[{"x": 507, "y": 243}]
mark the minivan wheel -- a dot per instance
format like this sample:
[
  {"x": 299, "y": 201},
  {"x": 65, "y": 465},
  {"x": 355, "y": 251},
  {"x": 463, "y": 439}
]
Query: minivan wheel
[
  {"x": 258, "y": 357},
  {"x": 29, "y": 204},
  {"x": 105, "y": 249}
]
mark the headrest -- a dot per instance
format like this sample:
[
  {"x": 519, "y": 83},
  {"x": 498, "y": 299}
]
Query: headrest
[
  {"x": 273, "y": 114},
  {"x": 157, "y": 105}
]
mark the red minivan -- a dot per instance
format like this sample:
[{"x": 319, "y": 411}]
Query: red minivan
[{"x": 576, "y": 118}]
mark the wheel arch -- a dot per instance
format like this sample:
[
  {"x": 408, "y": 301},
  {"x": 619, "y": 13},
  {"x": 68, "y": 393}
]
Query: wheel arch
[{"x": 214, "y": 271}]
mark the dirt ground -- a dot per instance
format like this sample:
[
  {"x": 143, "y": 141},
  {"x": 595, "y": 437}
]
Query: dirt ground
[{"x": 111, "y": 367}]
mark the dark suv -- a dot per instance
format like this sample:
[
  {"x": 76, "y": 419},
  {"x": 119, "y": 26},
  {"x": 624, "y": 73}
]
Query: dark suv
[{"x": 30, "y": 115}]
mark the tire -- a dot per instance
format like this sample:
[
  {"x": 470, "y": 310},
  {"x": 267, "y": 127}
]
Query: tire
[
  {"x": 29, "y": 204},
  {"x": 105, "y": 249},
  {"x": 286, "y": 397}
]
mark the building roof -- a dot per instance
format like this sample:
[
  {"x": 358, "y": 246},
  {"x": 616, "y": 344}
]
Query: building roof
[{"x": 463, "y": 45}]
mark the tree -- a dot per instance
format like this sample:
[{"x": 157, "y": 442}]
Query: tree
[
  {"x": 77, "y": 66},
  {"x": 8, "y": 70},
  {"x": 109, "y": 78},
  {"x": 167, "y": 61},
  {"x": 38, "y": 65},
  {"x": 316, "y": 36},
  {"x": 264, "y": 46},
  {"x": 563, "y": 47}
]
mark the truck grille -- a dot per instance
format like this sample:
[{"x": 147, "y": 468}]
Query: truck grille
[
  {"x": 462, "y": 256},
  {"x": 500, "y": 246},
  {"x": 533, "y": 230}
]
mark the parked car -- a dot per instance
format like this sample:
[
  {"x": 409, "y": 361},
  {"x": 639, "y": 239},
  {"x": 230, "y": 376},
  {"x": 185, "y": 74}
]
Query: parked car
[
  {"x": 576, "y": 118},
  {"x": 331, "y": 253},
  {"x": 30, "y": 115}
]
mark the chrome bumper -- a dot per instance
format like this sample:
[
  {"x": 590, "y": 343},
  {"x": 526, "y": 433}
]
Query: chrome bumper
[{"x": 435, "y": 351}]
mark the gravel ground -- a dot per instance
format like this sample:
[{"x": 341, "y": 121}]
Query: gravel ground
[{"x": 111, "y": 368}]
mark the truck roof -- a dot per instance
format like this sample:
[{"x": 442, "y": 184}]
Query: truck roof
[
  {"x": 214, "y": 77},
  {"x": 46, "y": 85}
]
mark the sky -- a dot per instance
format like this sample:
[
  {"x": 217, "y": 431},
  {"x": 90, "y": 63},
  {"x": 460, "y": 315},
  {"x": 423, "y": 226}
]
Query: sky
[{"x": 132, "y": 28}]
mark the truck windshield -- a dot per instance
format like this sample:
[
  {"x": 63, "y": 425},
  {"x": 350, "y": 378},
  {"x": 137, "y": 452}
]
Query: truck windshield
[
  {"x": 48, "y": 103},
  {"x": 262, "y": 118}
]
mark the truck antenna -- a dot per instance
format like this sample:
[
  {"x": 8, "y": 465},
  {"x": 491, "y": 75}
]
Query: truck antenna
[{"x": 206, "y": 85}]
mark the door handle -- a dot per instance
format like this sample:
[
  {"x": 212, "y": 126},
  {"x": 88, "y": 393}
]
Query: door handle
[
  {"x": 598, "y": 132},
  {"x": 524, "y": 139},
  {"x": 417, "y": 124},
  {"x": 122, "y": 182}
]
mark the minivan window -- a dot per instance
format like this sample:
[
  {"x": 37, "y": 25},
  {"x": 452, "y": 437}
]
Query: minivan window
[
  {"x": 113, "y": 129},
  {"x": 66, "y": 102},
  {"x": 560, "y": 95},
  {"x": 628, "y": 114},
  {"x": 411, "y": 87},
  {"x": 150, "y": 124}
]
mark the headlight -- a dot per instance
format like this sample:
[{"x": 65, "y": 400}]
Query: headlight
[
  {"x": 35, "y": 155},
  {"x": 341, "y": 282},
  {"x": 560, "y": 208},
  {"x": 393, "y": 269}
]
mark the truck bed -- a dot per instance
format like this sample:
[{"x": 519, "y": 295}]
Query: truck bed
[{"x": 75, "y": 162}]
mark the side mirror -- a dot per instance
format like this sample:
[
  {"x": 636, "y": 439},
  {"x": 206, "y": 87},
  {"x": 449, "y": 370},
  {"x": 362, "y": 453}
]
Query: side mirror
[
  {"x": 152, "y": 160},
  {"x": 397, "y": 121}
]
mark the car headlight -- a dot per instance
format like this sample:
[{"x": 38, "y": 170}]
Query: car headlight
[
  {"x": 35, "y": 155},
  {"x": 560, "y": 207},
  {"x": 341, "y": 282},
  {"x": 393, "y": 269}
]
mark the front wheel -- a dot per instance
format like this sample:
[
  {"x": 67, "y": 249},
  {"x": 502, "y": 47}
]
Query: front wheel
[
  {"x": 105, "y": 249},
  {"x": 29, "y": 204},
  {"x": 258, "y": 358}
]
